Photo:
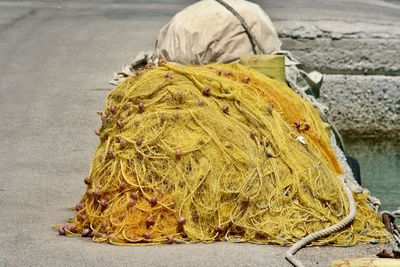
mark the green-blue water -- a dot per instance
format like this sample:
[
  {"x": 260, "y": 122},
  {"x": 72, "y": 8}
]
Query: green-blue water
[{"x": 380, "y": 168}]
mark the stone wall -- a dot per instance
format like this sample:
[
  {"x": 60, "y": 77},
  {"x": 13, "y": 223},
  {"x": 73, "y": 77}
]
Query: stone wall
[{"x": 361, "y": 67}]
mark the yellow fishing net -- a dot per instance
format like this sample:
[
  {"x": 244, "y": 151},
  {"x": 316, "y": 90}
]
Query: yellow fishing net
[{"x": 214, "y": 152}]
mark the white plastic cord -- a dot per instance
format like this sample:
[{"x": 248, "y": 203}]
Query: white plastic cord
[{"x": 327, "y": 231}]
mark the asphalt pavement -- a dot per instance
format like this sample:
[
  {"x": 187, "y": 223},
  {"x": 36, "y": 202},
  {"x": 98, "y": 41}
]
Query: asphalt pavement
[{"x": 55, "y": 60}]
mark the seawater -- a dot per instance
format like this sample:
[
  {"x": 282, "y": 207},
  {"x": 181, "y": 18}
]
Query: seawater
[{"x": 380, "y": 168}]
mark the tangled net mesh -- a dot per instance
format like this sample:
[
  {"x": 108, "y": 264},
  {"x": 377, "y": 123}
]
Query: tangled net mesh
[{"x": 207, "y": 153}]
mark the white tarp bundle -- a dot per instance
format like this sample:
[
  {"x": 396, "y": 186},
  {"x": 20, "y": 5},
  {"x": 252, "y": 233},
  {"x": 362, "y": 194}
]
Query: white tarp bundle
[{"x": 207, "y": 32}]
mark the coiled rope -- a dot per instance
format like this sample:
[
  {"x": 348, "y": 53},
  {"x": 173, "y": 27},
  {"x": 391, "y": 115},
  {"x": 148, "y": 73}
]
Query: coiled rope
[{"x": 289, "y": 255}]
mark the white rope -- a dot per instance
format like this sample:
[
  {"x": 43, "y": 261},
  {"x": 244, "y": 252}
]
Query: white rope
[{"x": 327, "y": 231}]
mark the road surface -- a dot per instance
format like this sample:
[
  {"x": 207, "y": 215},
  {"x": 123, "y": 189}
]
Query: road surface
[{"x": 55, "y": 60}]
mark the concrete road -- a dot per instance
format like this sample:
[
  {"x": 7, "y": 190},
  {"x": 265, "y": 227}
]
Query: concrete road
[{"x": 55, "y": 60}]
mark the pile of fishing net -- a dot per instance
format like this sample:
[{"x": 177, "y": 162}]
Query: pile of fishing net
[{"x": 214, "y": 152}]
